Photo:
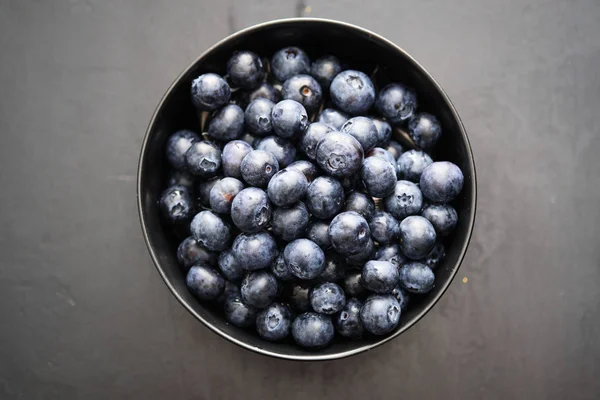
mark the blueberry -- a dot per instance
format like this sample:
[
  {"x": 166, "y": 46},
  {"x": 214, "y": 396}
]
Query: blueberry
[
  {"x": 232, "y": 156},
  {"x": 312, "y": 330},
  {"x": 335, "y": 268},
  {"x": 352, "y": 92},
  {"x": 258, "y": 117},
  {"x": 274, "y": 322},
  {"x": 416, "y": 277},
  {"x": 290, "y": 223},
  {"x": 230, "y": 290},
  {"x": 332, "y": 117},
  {"x": 264, "y": 91},
  {"x": 176, "y": 204},
  {"x": 390, "y": 252},
  {"x": 318, "y": 232},
  {"x": 288, "y": 62},
  {"x": 251, "y": 210},
  {"x": 405, "y": 200},
  {"x": 239, "y": 313},
  {"x": 304, "y": 259},
  {"x": 363, "y": 256},
  {"x": 352, "y": 283},
  {"x": 443, "y": 217},
  {"x": 203, "y": 159},
  {"x": 402, "y": 296},
  {"x": 378, "y": 176},
  {"x": 339, "y": 154},
  {"x": 435, "y": 256},
  {"x": 412, "y": 163},
  {"x": 396, "y": 103},
  {"x": 258, "y": 167},
  {"x": 280, "y": 270},
  {"x": 245, "y": 69},
  {"x": 347, "y": 321},
  {"x": 312, "y": 136},
  {"x": 210, "y": 231},
  {"x": 297, "y": 294},
  {"x": 210, "y": 91},
  {"x": 230, "y": 267},
  {"x": 327, "y": 298},
  {"x": 305, "y": 90},
  {"x": 417, "y": 237},
  {"x": 254, "y": 250},
  {"x": 425, "y": 130},
  {"x": 259, "y": 289},
  {"x": 441, "y": 181},
  {"x": 395, "y": 148},
  {"x": 309, "y": 170},
  {"x": 287, "y": 187},
  {"x": 324, "y": 197},
  {"x": 190, "y": 252},
  {"x": 204, "y": 282},
  {"x": 349, "y": 233},
  {"x": 227, "y": 124},
  {"x": 380, "y": 314},
  {"x": 384, "y": 227},
  {"x": 384, "y": 132},
  {"x": 289, "y": 118},
  {"x": 179, "y": 177},
  {"x": 360, "y": 203},
  {"x": 222, "y": 194},
  {"x": 204, "y": 188},
  {"x": 283, "y": 150},
  {"x": 383, "y": 153},
  {"x": 249, "y": 138},
  {"x": 177, "y": 145},
  {"x": 325, "y": 69},
  {"x": 380, "y": 276},
  {"x": 362, "y": 129}
]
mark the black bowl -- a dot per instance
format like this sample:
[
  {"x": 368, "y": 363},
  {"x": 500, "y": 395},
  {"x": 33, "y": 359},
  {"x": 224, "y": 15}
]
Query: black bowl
[{"x": 359, "y": 49}]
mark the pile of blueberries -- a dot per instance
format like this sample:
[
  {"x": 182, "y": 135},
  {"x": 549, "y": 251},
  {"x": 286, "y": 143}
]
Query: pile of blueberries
[{"x": 308, "y": 228}]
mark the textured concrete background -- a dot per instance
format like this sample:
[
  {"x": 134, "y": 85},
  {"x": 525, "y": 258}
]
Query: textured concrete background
[{"x": 85, "y": 315}]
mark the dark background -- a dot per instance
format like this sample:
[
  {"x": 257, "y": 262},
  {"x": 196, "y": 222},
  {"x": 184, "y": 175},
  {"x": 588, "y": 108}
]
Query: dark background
[{"x": 84, "y": 313}]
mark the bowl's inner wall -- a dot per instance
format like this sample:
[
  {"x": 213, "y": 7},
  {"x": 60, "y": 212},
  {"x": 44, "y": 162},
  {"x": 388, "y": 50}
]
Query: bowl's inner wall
[{"x": 358, "y": 50}]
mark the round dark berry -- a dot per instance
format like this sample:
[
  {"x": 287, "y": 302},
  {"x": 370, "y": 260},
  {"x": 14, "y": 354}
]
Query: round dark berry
[
  {"x": 380, "y": 276},
  {"x": 176, "y": 204},
  {"x": 304, "y": 259},
  {"x": 289, "y": 118},
  {"x": 305, "y": 90},
  {"x": 255, "y": 250},
  {"x": 232, "y": 156},
  {"x": 227, "y": 124},
  {"x": 347, "y": 321},
  {"x": 274, "y": 322},
  {"x": 312, "y": 330},
  {"x": 204, "y": 282},
  {"x": 210, "y": 231},
  {"x": 327, "y": 298},
  {"x": 190, "y": 252},
  {"x": 258, "y": 167},
  {"x": 324, "y": 197},
  {"x": 311, "y": 138},
  {"x": 378, "y": 176},
  {"x": 239, "y": 313},
  {"x": 339, "y": 154},
  {"x": 259, "y": 289},
  {"x": 251, "y": 210},
  {"x": 362, "y": 129},
  {"x": 333, "y": 118},
  {"x": 416, "y": 277},
  {"x": 222, "y": 194},
  {"x": 352, "y": 92},
  {"x": 290, "y": 223},
  {"x": 380, "y": 314},
  {"x": 425, "y": 130},
  {"x": 325, "y": 69},
  {"x": 203, "y": 159},
  {"x": 258, "y": 117},
  {"x": 349, "y": 233},
  {"x": 412, "y": 163},
  {"x": 443, "y": 217},
  {"x": 288, "y": 62},
  {"x": 441, "y": 181},
  {"x": 417, "y": 237},
  {"x": 210, "y": 92},
  {"x": 245, "y": 69},
  {"x": 405, "y": 200},
  {"x": 283, "y": 150},
  {"x": 396, "y": 103},
  {"x": 384, "y": 227},
  {"x": 177, "y": 145}
]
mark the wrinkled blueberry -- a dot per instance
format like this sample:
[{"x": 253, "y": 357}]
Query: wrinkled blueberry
[
  {"x": 258, "y": 167},
  {"x": 312, "y": 330},
  {"x": 324, "y": 197},
  {"x": 417, "y": 237},
  {"x": 304, "y": 258},
  {"x": 204, "y": 282},
  {"x": 204, "y": 188},
  {"x": 332, "y": 117},
  {"x": 210, "y": 91},
  {"x": 349, "y": 233},
  {"x": 210, "y": 231},
  {"x": 251, "y": 210},
  {"x": 390, "y": 252},
  {"x": 230, "y": 267},
  {"x": 380, "y": 276},
  {"x": 443, "y": 217},
  {"x": 396, "y": 103},
  {"x": 441, "y": 181},
  {"x": 283, "y": 150},
  {"x": 259, "y": 289},
  {"x": 232, "y": 156},
  {"x": 309, "y": 170},
  {"x": 258, "y": 117},
  {"x": 189, "y": 252},
  {"x": 245, "y": 69},
  {"x": 380, "y": 314},
  {"x": 280, "y": 270},
  {"x": 177, "y": 145},
  {"x": 352, "y": 283},
  {"x": 384, "y": 132},
  {"x": 425, "y": 130},
  {"x": 378, "y": 176},
  {"x": 254, "y": 250},
  {"x": 360, "y": 203},
  {"x": 416, "y": 277},
  {"x": 290, "y": 223},
  {"x": 288, "y": 62},
  {"x": 287, "y": 187},
  {"x": 239, "y": 313},
  {"x": 222, "y": 194},
  {"x": 362, "y": 129},
  {"x": 227, "y": 123},
  {"x": 318, "y": 232},
  {"x": 384, "y": 227},
  {"x": 339, "y": 154},
  {"x": 297, "y": 294},
  {"x": 435, "y": 256},
  {"x": 335, "y": 268},
  {"x": 352, "y": 92},
  {"x": 327, "y": 298},
  {"x": 274, "y": 322},
  {"x": 311, "y": 138},
  {"x": 412, "y": 163},
  {"x": 347, "y": 321},
  {"x": 402, "y": 296},
  {"x": 383, "y": 153},
  {"x": 203, "y": 159},
  {"x": 363, "y": 256},
  {"x": 405, "y": 200},
  {"x": 289, "y": 118},
  {"x": 395, "y": 148},
  {"x": 176, "y": 204},
  {"x": 305, "y": 90},
  {"x": 325, "y": 69}
]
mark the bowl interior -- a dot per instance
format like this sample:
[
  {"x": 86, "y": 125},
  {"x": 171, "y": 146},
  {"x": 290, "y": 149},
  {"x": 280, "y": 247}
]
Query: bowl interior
[{"x": 358, "y": 49}]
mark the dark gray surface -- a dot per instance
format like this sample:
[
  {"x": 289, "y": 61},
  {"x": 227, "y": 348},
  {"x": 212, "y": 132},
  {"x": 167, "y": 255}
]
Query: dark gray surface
[{"x": 84, "y": 313}]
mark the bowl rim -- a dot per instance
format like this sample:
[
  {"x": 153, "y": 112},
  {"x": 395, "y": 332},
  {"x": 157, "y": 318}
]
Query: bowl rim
[{"x": 316, "y": 356}]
